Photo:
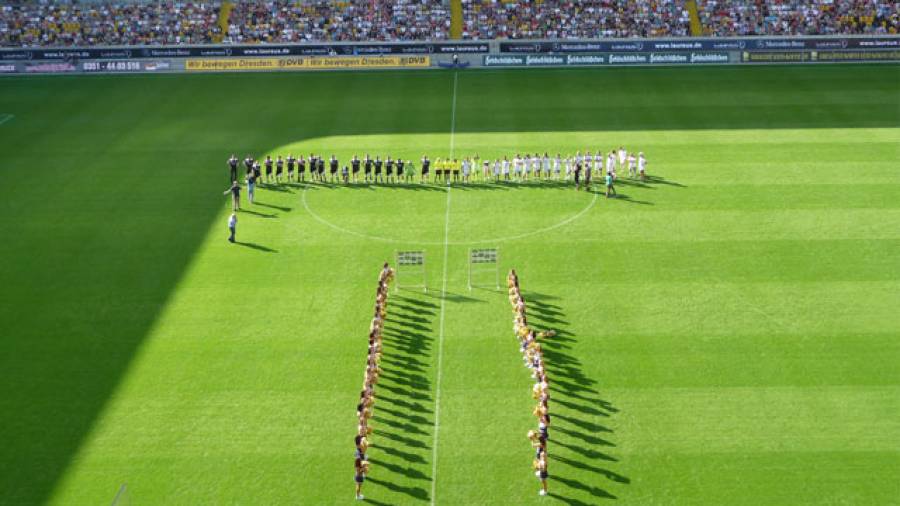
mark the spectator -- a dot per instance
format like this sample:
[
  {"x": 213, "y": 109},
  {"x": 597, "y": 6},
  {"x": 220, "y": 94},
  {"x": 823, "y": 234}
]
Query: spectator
[
  {"x": 726, "y": 18},
  {"x": 64, "y": 23},
  {"x": 45, "y": 23},
  {"x": 571, "y": 19},
  {"x": 350, "y": 20}
]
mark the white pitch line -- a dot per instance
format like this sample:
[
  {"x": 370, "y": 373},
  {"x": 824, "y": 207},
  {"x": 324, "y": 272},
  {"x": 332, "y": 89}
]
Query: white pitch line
[
  {"x": 437, "y": 392},
  {"x": 494, "y": 240},
  {"x": 5, "y": 117}
]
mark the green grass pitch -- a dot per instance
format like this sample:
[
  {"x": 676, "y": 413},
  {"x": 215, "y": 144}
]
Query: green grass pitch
[{"x": 729, "y": 333}]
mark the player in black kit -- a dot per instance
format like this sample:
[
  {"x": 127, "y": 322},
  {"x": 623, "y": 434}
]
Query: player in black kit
[
  {"x": 279, "y": 169},
  {"x": 268, "y": 168},
  {"x": 355, "y": 165},
  {"x": 290, "y": 164},
  {"x": 334, "y": 167},
  {"x": 399, "y": 170},
  {"x": 321, "y": 164},
  {"x": 389, "y": 169},
  {"x": 368, "y": 168},
  {"x": 426, "y": 164},
  {"x": 232, "y": 165},
  {"x": 248, "y": 163},
  {"x": 301, "y": 168},
  {"x": 378, "y": 165},
  {"x": 313, "y": 167}
]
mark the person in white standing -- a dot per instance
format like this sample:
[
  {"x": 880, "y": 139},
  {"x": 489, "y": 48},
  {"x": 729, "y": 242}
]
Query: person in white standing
[
  {"x": 232, "y": 226},
  {"x": 611, "y": 164},
  {"x": 642, "y": 166}
]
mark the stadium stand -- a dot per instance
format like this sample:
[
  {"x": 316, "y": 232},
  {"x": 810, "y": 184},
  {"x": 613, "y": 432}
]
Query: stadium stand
[
  {"x": 723, "y": 18},
  {"x": 29, "y": 24},
  {"x": 101, "y": 22},
  {"x": 345, "y": 20},
  {"x": 555, "y": 19}
]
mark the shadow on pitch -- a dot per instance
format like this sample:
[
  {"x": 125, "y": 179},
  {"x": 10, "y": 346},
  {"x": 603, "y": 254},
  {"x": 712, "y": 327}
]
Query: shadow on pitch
[
  {"x": 257, "y": 247},
  {"x": 414, "y": 492},
  {"x": 452, "y": 297},
  {"x": 273, "y": 206},
  {"x": 574, "y": 407},
  {"x": 257, "y": 213},
  {"x": 404, "y": 407}
]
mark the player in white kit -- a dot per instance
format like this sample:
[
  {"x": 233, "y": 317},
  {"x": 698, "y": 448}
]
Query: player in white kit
[
  {"x": 611, "y": 164},
  {"x": 557, "y": 162},
  {"x": 642, "y": 166},
  {"x": 632, "y": 171},
  {"x": 622, "y": 156},
  {"x": 505, "y": 169},
  {"x": 517, "y": 167},
  {"x": 466, "y": 169}
]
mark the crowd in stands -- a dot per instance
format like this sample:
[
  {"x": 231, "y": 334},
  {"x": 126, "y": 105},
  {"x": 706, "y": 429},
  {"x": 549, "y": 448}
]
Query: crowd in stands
[
  {"x": 725, "y": 18},
  {"x": 32, "y": 23},
  {"x": 569, "y": 19},
  {"x": 103, "y": 23},
  {"x": 345, "y": 20}
]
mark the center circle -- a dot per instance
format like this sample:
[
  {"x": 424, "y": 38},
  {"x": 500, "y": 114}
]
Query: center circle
[{"x": 479, "y": 213}]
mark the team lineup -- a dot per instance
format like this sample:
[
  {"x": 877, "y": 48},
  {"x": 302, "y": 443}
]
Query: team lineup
[{"x": 578, "y": 168}]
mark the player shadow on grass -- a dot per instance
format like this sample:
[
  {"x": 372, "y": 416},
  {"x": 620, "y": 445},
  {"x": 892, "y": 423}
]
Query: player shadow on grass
[
  {"x": 273, "y": 206},
  {"x": 624, "y": 197},
  {"x": 257, "y": 213},
  {"x": 574, "y": 431},
  {"x": 276, "y": 187},
  {"x": 403, "y": 420},
  {"x": 662, "y": 180},
  {"x": 258, "y": 247}
]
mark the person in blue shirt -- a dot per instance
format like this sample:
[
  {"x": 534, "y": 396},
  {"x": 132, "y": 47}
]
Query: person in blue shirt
[{"x": 609, "y": 185}]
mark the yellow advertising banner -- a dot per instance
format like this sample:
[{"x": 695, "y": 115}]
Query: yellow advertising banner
[{"x": 304, "y": 62}]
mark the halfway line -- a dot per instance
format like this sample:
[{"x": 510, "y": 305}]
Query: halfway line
[{"x": 437, "y": 392}]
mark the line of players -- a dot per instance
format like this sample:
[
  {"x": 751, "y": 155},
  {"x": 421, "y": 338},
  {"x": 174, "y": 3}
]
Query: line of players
[
  {"x": 375, "y": 170},
  {"x": 534, "y": 360},
  {"x": 364, "y": 409}
]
